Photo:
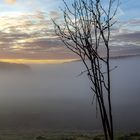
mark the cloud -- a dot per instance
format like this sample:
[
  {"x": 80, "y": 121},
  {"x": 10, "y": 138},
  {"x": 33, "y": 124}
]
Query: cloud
[
  {"x": 10, "y": 1},
  {"x": 40, "y": 15},
  {"x": 32, "y": 36},
  {"x": 127, "y": 34},
  {"x": 55, "y": 15},
  {"x": 134, "y": 22},
  {"x": 129, "y": 37}
]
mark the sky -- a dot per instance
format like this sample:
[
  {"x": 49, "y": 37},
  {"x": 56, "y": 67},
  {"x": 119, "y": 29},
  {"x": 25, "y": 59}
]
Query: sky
[{"x": 27, "y": 33}]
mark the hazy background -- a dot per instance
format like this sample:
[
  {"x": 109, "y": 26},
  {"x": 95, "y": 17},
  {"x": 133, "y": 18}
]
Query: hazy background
[{"x": 53, "y": 97}]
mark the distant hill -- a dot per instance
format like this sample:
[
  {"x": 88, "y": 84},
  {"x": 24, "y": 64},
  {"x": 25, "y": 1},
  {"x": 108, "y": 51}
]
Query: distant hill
[{"x": 5, "y": 66}]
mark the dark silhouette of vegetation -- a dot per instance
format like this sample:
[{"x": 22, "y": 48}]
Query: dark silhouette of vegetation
[
  {"x": 135, "y": 134},
  {"x": 40, "y": 138},
  {"x": 125, "y": 137},
  {"x": 85, "y": 31},
  {"x": 97, "y": 138}
]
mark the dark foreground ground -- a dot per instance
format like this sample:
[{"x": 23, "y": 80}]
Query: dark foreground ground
[{"x": 59, "y": 135}]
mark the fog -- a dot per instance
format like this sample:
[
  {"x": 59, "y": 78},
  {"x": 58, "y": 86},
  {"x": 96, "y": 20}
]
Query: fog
[{"x": 54, "y": 97}]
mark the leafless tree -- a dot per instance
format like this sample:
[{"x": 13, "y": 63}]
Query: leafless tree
[{"x": 86, "y": 30}]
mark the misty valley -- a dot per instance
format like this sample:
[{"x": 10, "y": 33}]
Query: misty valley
[{"x": 53, "y": 97}]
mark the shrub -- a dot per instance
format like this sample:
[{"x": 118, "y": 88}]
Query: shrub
[
  {"x": 125, "y": 137},
  {"x": 97, "y": 138},
  {"x": 40, "y": 138},
  {"x": 135, "y": 134}
]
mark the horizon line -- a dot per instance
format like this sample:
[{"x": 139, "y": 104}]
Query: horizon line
[{"x": 38, "y": 61}]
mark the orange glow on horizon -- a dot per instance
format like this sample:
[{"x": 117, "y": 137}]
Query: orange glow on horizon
[{"x": 43, "y": 61}]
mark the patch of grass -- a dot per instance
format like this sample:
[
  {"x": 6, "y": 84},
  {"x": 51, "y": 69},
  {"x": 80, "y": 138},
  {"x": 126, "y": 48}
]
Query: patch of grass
[
  {"x": 60, "y": 135},
  {"x": 40, "y": 138},
  {"x": 96, "y": 138},
  {"x": 134, "y": 134},
  {"x": 125, "y": 137}
]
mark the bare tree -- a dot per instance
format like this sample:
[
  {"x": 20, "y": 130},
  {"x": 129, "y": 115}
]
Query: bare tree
[{"x": 85, "y": 31}]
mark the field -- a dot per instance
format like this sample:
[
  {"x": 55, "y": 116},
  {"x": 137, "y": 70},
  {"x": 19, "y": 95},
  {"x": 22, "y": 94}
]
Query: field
[{"x": 59, "y": 135}]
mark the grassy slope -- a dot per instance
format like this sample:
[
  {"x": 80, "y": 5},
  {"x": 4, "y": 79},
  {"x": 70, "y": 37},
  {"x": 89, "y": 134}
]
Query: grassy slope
[{"x": 46, "y": 135}]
